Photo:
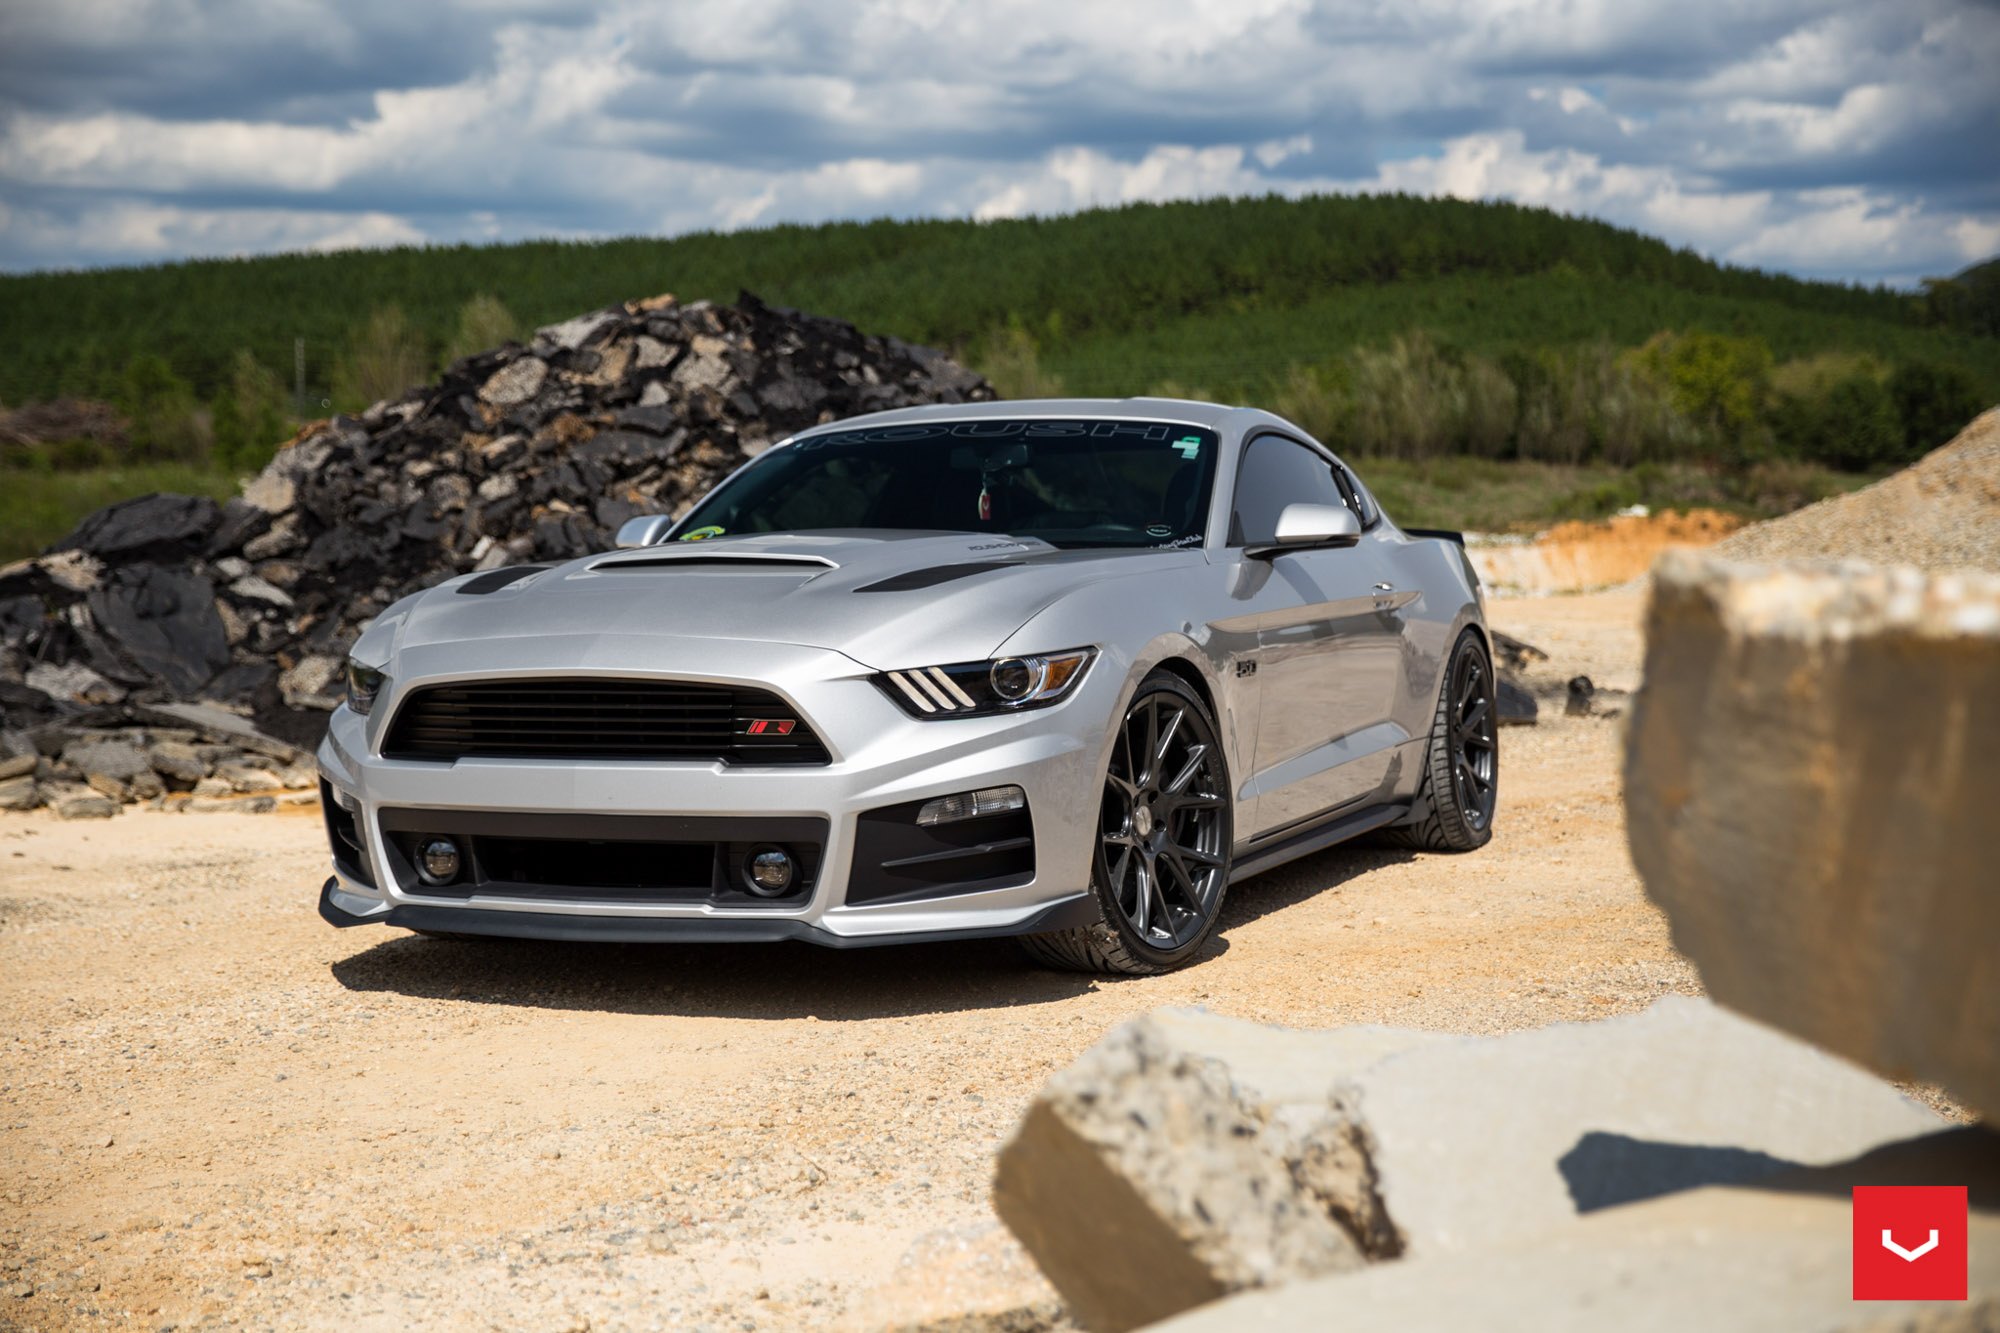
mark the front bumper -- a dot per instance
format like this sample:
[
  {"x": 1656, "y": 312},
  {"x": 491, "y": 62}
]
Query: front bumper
[{"x": 882, "y": 760}]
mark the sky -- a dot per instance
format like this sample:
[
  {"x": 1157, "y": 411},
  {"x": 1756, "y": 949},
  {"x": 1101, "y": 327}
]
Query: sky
[{"x": 1849, "y": 140}]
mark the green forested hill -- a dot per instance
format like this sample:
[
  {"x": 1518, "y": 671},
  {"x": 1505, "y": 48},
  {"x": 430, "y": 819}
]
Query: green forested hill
[{"x": 1225, "y": 295}]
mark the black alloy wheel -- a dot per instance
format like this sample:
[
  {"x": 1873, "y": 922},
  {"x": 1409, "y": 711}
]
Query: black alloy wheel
[
  {"x": 1462, "y": 765},
  {"x": 1163, "y": 840},
  {"x": 1475, "y": 750}
]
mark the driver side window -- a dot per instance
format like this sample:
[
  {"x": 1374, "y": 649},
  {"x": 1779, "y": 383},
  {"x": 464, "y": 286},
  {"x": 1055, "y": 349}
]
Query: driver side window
[{"x": 1276, "y": 472}]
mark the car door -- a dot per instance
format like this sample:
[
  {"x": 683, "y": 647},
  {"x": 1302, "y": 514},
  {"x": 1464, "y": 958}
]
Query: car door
[{"x": 1329, "y": 644}]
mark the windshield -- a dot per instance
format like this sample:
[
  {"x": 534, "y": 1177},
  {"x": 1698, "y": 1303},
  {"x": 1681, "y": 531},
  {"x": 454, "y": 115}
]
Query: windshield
[{"x": 1070, "y": 482}]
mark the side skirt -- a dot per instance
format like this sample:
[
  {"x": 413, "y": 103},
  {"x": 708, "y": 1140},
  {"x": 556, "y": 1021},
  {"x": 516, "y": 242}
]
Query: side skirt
[{"x": 1255, "y": 860}]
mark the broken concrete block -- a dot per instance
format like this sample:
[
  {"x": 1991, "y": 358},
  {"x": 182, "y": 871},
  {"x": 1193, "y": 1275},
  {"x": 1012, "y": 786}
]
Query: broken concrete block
[
  {"x": 1809, "y": 787},
  {"x": 1768, "y": 1258},
  {"x": 1142, "y": 1183},
  {"x": 1187, "y": 1155}
]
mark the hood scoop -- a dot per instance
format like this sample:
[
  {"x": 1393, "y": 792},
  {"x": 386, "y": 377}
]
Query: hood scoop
[{"x": 749, "y": 563}]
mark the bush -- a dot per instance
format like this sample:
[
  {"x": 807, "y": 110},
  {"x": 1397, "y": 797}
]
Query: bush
[
  {"x": 159, "y": 408},
  {"x": 383, "y": 360},
  {"x": 1718, "y": 382},
  {"x": 1933, "y": 403},
  {"x": 249, "y": 415},
  {"x": 1011, "y": 359},
  {"x": 483, "y": 324},
  {"x": 1860, "y": 429}
]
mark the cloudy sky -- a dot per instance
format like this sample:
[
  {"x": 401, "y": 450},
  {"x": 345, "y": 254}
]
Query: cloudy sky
[{"x": 1822, "y": 137}]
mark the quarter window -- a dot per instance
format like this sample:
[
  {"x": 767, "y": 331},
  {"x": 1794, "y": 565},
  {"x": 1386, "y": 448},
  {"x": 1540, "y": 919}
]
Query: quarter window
[{"x": 1277, "y": 472}]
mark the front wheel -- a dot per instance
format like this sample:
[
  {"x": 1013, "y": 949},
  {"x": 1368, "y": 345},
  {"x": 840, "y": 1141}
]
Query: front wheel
[
  {"x": 1161, "y": 863},
  {"x": 1462, "y": 764}
]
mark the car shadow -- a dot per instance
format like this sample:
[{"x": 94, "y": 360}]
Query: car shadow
[
  {"x": 1296, "y": 881},
  {"x": 757, "y": 981}
]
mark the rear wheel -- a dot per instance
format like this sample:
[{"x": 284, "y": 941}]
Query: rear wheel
[
  {"x": 1161, "y": 864},
  {"x": 1462, "y": 764}
]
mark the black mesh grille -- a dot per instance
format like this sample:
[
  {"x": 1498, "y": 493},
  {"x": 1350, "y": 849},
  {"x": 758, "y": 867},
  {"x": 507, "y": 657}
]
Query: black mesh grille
[{"x": 601, "y": 719}]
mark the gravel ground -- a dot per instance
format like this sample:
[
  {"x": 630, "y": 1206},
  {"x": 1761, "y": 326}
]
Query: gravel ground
[
  {"x": 215, "y": 1110},
  {"x": 1941, "y": 513}
]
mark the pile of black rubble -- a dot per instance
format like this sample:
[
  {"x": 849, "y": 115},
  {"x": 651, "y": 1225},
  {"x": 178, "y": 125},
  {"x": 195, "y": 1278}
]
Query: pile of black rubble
[{"x": 166, "y": 615}]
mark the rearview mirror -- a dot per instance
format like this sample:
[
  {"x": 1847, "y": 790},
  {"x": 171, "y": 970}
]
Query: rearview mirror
[
  {"x": 645, "y": 530},
  {"x": 1303, "y": 526}
]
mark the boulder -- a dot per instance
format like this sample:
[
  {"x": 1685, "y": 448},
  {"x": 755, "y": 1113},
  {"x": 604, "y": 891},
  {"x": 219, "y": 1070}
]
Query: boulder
[
  {"x": 119, "y": 760},
  {"x": 514, "y": 383},
  {"x": 162, "y": 623},
  {"x": 1811, "y": 766},
  {"x": 1187, "y": 1156},
  {"x": 14, "y": 766},
  {"x": 177, "y": 761},
  {"x": 20, "y": 792},
  {"x": 162, "y": 527},
  {"x": 85, "y": 805}
]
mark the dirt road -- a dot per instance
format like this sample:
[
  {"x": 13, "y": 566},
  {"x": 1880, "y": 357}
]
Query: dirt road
[{"x": 217, "y": 1110}]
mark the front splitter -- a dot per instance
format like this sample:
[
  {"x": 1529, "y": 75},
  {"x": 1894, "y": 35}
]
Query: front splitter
[{"x": 1081, "y": 910}]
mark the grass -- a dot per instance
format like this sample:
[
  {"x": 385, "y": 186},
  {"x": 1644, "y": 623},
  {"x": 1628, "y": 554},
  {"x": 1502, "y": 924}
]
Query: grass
[
  {"x": 1485, "y": 495},
  {"x": 37, "y": 508}
]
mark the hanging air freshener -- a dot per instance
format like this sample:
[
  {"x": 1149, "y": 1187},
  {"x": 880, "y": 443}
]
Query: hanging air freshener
[{"x": 985, "y": 504}]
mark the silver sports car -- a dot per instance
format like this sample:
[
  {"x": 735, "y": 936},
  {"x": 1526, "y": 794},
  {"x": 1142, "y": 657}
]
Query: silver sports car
[{"x": 1063, "y": 670}]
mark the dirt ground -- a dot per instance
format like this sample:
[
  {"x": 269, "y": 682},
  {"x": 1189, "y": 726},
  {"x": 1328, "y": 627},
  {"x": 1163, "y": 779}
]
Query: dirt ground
[{"x": 216, "y": 1110}]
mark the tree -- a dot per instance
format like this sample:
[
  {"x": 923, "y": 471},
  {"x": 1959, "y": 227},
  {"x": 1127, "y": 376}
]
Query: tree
[{"x": 1933, "y": 404}]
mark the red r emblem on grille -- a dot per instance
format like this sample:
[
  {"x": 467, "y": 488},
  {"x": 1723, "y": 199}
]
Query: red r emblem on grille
[{"x": 771, "y": 726}]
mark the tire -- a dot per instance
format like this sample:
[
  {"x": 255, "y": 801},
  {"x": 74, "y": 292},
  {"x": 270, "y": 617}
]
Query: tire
[
  {"x": 1160, "y": 867},
  {"x": 1462, "y": 763}
]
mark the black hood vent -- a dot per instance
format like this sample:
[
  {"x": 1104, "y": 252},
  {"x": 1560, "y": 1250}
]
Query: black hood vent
[
  {"x": 930, "y": 578},
  {"x": 493, "y": 580}
]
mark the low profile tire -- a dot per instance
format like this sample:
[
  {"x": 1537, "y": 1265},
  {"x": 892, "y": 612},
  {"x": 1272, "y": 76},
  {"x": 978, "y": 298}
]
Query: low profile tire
[
  {"x": 1164, "y": 829},
  {"x": 1462, "y": 764}
]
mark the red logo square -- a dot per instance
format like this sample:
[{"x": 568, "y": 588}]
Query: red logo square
[{"x": 1909, "y": 1243}]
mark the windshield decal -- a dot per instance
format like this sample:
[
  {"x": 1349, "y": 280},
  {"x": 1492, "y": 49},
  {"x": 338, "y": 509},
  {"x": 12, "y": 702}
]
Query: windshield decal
[{"x": 701, "y": 534}]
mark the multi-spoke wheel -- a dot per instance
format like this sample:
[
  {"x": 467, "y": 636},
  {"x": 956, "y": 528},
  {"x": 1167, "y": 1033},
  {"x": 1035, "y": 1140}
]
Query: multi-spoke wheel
[
  {"x": 1163, "y": 839},
  {"x": 1462, "y": 773}
]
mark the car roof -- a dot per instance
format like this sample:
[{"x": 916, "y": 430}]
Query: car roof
[{"x": 1216, "y": 416}]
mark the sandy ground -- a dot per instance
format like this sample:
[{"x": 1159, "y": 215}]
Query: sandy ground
[{"x": 215, "y": 1110}]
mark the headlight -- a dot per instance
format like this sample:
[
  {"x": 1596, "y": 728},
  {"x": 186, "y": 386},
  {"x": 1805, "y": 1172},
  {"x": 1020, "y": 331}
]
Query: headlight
[
  {"x": 974, "y": 689},
  {"x": 363, "y": 684}
]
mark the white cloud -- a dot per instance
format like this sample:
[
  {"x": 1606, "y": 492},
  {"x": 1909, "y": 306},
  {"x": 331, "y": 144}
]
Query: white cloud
[{"x": 1780, "y": 132}]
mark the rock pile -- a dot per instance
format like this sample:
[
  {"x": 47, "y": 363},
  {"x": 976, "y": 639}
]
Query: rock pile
[
  {"x": 1942, "y": 512},
  {"x": 523, "y": 453}
]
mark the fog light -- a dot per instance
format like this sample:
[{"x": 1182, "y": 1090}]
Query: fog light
[
  {"x": 437, "y": 861},
  {"x": 972, "y": 805},
  {"x": 769, "y": 871}
]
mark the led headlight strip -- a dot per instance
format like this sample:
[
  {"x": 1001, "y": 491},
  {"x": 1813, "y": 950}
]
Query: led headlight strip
[{"x": 971, "y": 689}]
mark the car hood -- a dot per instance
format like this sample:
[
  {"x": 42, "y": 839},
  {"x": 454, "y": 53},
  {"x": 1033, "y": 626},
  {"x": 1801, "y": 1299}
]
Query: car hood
[{"x": 886, "y": 599}]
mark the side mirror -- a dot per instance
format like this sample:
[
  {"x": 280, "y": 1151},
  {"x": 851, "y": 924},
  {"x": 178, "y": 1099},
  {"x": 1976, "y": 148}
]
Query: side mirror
[
  {"x": 1304, "y": 526},
  {"x": 645, "y": 530}
]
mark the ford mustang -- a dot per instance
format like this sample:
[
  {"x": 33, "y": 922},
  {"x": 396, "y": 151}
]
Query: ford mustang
[{"x": 1062, "y": 670}]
